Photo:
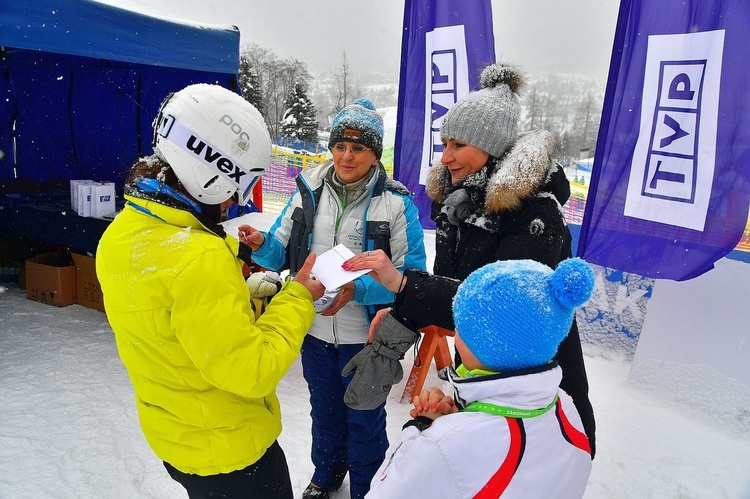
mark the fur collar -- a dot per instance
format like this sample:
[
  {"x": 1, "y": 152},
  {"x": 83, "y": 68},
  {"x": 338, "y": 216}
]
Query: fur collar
[{"x": 518, "y": 175}]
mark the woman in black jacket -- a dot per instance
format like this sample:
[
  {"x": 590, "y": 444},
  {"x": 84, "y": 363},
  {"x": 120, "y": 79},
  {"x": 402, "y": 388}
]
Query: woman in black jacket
[{"x": 496, "y": 196}]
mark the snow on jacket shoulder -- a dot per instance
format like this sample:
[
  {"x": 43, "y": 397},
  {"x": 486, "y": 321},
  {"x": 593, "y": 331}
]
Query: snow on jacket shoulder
[{"x": 203, "y": 371}]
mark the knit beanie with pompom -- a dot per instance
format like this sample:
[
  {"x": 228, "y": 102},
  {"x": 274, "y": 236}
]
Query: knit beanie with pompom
[
  {"x": 488, "y": 118},
  {"x": 513, "y": 314},
  {"x": 358, "y": 122}
]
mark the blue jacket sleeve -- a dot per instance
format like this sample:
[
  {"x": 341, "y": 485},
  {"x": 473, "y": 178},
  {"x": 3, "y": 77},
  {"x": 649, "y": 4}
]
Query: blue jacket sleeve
[
  {"x": 272, "y": 254},
  {"x": 408, "y": 252}
]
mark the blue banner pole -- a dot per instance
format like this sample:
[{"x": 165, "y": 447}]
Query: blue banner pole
[{"x": 444, "y": 47}]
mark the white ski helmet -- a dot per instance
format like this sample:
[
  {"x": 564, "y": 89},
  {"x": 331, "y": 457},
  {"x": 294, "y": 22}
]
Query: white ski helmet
[{"x": 215, "y": 141}]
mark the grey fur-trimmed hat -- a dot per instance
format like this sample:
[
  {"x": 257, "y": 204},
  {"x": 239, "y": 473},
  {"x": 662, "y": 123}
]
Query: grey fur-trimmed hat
[{"x": 488, "y": 118}]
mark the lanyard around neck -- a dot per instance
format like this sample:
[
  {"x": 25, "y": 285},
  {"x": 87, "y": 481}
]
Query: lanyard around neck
[{"x": 508, "y": 412}]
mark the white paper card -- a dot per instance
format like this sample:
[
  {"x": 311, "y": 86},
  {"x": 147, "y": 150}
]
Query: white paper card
[{"x": 327, "y": 268}]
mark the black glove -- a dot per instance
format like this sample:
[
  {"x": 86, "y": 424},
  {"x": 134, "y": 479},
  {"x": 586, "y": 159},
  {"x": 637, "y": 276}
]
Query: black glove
[{"x": 378, "y": 365}]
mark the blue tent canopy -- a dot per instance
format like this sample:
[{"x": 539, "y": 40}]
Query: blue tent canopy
[{"x": 82, "y": 81}]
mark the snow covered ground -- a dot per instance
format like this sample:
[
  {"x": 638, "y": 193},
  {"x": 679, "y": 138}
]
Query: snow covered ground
[{"x": 68, "y": 426}]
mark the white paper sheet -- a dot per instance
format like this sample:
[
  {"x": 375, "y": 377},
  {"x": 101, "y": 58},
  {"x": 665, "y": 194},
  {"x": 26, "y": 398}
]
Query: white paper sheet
[{"x": 327, "y": 268}]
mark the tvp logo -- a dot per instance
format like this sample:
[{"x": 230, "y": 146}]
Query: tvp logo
[
  {"x": 672, "y": 170},
  {"x": 446, "y": 81}
]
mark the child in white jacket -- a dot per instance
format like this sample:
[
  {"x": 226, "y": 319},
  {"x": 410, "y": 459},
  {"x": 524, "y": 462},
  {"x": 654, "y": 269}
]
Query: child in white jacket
[{"x": 509, "y": 431}]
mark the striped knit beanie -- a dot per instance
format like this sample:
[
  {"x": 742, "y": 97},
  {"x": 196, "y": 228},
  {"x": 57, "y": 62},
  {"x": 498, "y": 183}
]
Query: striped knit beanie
[{"x": 358, "y": 122}]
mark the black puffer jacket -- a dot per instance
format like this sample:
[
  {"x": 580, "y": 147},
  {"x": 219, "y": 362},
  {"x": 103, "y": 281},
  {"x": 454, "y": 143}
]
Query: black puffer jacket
[{"x": 514, "y": 214}]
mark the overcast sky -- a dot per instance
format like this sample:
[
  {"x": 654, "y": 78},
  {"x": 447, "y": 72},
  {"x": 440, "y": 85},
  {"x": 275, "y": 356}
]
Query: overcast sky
[{"x": 568, "y": 36}]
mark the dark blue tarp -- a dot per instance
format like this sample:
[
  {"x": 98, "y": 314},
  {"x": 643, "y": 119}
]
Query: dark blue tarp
[{"x": 80, "y": 83}]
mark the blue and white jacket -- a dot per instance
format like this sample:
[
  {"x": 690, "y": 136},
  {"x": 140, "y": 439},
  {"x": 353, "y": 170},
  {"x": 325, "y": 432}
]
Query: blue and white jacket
[{"x": 383, "y": 216}]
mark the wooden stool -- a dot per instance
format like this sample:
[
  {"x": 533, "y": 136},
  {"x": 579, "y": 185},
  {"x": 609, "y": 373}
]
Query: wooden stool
[{"x": 434, "y": 345}]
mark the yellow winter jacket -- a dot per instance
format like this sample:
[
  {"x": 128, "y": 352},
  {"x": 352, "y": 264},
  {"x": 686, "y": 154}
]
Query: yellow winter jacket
[{"x": 203, "y": 370}]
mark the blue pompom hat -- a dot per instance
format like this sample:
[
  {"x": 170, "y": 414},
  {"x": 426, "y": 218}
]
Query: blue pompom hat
[
  {"x": 514, "y": 314},
  {"x": 358, "y": 122}
]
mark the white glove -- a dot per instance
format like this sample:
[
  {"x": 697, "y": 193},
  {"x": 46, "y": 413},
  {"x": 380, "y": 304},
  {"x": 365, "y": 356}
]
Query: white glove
[
  {"x": 264, "y": 284},
  {"x": 326, "y": 300}
]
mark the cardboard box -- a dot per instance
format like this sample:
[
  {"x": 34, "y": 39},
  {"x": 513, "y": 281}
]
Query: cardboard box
[
  {"x": 16, "y": 251},
  {"x": 51, "y": 279},
  {"x": 88, "y": 289}
]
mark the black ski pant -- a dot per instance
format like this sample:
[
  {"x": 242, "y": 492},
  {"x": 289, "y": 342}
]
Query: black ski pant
[{"x": 267, "y": 478}]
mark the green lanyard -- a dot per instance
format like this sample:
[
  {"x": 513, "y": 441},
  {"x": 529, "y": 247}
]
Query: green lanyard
[
  {"x": 497, "y": 410},
  {"x": 508, "y": 412}
]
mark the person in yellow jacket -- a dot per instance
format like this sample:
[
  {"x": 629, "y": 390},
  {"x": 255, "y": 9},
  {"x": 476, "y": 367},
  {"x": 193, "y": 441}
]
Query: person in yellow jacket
[{"x": 203, "y": 369}]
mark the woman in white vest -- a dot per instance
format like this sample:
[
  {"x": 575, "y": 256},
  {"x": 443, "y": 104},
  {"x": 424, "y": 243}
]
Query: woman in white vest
[{"x": 350, "y": 201}]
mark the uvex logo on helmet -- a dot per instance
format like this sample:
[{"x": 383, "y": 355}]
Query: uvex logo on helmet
[{"x": 215, "y": 158}]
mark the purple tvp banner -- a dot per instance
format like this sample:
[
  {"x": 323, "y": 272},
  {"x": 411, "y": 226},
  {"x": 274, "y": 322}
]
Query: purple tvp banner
[
  {"x": 444, "y": 47},
  {"x": 670, "y": 186}
]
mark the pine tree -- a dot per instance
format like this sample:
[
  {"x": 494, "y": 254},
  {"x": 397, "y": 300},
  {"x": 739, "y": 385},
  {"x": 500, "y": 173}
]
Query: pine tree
[
  {"x": 299, "y": 118},
  {"x": 250, "y": 84}
]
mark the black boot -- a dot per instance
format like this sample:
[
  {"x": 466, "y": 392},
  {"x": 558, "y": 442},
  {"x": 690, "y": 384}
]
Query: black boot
[{"x": 314, "y": 492}]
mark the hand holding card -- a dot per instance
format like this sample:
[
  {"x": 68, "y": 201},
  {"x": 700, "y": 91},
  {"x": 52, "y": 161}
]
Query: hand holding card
[{"x": 327, "y": 268}]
